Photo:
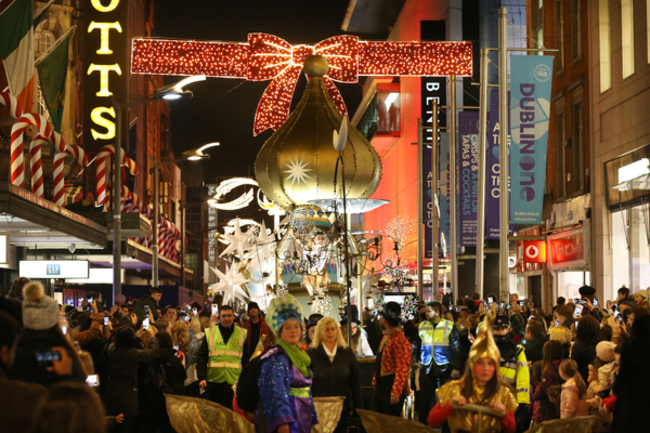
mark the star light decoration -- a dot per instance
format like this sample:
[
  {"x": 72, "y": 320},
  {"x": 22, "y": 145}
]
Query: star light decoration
[
  {"x": 268, "y": 57},
  {"x": 401, "y": 231},
  {"x": 297, "y": 171},
  {"x": 237, "y": 242},
  {"x": 409, "y": 307},
  {"x": 378, "y": 305},
  {"x": 230, "y": 284}
]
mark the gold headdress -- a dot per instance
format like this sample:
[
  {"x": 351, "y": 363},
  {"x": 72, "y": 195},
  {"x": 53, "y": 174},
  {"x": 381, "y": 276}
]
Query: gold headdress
[{"x": 484, "y": 345}]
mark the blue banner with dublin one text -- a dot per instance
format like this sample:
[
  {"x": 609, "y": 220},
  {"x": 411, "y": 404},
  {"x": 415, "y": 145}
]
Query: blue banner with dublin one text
[{"x": 530, "y": 111}]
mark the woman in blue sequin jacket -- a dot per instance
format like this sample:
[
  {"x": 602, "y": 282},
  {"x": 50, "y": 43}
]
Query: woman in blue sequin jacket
[{"x": 286, "y": 403}]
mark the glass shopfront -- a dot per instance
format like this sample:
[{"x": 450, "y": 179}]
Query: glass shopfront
[{"x": 628, "y": 199}]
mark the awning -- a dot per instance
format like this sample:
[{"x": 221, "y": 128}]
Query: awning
[{"x": 37, "y": 223}]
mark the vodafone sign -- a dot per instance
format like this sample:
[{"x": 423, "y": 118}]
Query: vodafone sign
[{"x": 534, "y": 252}]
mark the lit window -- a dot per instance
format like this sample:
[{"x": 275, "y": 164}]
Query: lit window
[
  {"x": 45, "y": 41},
  {"x": 605, "y": 53},
  {"x": 388, "y": 109},
  {"x": 627, "y": 29}
]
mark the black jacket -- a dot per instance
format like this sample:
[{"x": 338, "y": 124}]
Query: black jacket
[
  {"x": 174, "y": 374},
  {"x": 26, "y": 367},
  {"x": 121, "y": 395},
  {"x": 583, "y": 354},
  {"x": 138, "y": 309},
  {"x": 338, "y": 378},
  {"x": 534, "y": 348}
]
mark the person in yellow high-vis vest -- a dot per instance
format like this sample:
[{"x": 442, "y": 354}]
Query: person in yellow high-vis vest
[
  {"x": 436, "y": 347},
  {"x": 514, "y": 368},
  {"x": 219, "y": 360}
]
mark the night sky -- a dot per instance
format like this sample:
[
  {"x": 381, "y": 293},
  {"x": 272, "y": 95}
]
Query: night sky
[{"x": 223, "y": 109}]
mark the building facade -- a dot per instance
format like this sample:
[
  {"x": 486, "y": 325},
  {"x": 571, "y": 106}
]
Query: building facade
[{"x": 619, "y": 63}]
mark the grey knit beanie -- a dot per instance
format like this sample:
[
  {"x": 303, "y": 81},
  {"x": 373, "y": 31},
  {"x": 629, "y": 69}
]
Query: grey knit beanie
[{"x": 40, "y": 312}]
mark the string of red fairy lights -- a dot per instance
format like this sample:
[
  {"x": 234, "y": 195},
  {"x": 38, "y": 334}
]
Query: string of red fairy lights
[{"x": 268, "y": 57}]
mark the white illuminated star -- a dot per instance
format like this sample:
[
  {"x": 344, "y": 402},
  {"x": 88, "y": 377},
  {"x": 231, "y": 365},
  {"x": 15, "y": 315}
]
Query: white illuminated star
[{"x": 298, "y": 171}]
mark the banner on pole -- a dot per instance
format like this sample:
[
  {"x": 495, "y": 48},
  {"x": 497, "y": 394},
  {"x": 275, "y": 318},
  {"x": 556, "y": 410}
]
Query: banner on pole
[
  {"x": 530, "y": 108},
  {"x": 468, "y": 176},
  {"x": 493, "y": 183},
  {"x": 444, "y": 187}
]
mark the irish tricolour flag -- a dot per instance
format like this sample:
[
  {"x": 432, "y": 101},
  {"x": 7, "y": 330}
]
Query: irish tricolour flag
[{"x": 17, "y": 48}]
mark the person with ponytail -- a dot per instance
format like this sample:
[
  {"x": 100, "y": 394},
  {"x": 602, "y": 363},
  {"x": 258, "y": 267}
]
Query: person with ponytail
[{"x": 574, "y": 391}]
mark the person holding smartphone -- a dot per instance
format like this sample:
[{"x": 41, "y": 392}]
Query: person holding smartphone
[
  {"x": 587, "y": 295},
  {"x": 42, "y": 333},
  {"x": 151, "y": 300}
]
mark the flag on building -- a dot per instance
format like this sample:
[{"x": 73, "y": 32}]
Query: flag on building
[
  {"x": 17, "y": 48},
  {"x": 52, "y": 73}
]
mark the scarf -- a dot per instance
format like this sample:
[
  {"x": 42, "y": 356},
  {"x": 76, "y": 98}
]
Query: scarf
[{"x": 298, "y": 357}]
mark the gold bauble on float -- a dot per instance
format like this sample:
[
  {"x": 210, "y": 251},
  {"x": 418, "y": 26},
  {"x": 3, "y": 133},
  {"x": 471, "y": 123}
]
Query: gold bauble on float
[{"x": 297, "y": 163}]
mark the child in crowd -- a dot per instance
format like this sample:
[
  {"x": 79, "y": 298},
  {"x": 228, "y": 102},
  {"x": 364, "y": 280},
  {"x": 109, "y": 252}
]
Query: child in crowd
[{"x": 573, "y": 398}]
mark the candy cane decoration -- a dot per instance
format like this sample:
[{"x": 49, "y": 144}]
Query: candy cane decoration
[
  {"x": 64, "y": 150},
  {"x": 8, "y": 100},
  {"x": 100, "y": 183},
  {"x": 17, "y": 150},
  {"x": 36, "y": 164}
]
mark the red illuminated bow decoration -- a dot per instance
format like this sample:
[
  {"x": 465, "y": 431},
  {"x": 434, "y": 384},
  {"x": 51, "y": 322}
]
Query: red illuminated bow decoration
[{"x": 271, "y": 57}]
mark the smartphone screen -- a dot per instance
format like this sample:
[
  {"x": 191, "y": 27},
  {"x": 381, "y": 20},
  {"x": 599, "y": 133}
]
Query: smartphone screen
[
  {"x": 145, "y": 323},
  {"x": 92, "y": 380},
  {"x": 64, "y": 329},
  {"x": 490, "y": 299},
  {"x": 187, "y": 318},
  {"x": 458, "y": 310},
  {"x": 508, "y": 307},
  {"x": 595, "y": 302},
  {"x": 146, "y": 309},
  {"x": 576, "y": 324},
  {"x": 195, "y": 311},
  {"x": 106, "y": 319},
  {"x": 45, "y": 359},
  {"x": 501, "y": 305},
  {"x": 176, "y": 348},
  {"x": 90, "y": 299},
  {"x": 521, "y": 304},
  {"x": 557, "y": 323},
  {"x": 215, "y": 309},
  {"x": 578, "y": 310}
]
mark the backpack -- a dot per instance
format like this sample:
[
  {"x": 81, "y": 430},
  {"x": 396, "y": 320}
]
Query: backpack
[
  {"x": 248, "y": 390},
  {"x": 155, "y": 380}
]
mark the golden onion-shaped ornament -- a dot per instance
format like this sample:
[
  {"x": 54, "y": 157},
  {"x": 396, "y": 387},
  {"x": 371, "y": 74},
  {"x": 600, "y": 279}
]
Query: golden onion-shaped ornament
[{"x": 297, "y": 163}]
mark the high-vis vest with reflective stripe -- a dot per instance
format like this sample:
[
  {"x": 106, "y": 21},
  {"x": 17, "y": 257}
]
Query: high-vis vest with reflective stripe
[
  {"x": 435, "y": 342},
  {"x": 516, "y": 373},
  {"x": 224, "y": 363}
]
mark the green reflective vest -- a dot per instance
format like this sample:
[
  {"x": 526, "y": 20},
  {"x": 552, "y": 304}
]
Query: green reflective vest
[
  {"x": 225, "y": 361},
  {"x": 435, "y": 342}
]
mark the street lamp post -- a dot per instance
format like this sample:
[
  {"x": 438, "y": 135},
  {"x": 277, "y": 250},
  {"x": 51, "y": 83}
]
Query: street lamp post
[
  {"x": 190, "y": 155},
  {"x": 169, "y": 92}
]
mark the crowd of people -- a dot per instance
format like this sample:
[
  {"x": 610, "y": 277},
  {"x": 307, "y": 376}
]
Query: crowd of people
[{"x": 94, "y": 369}]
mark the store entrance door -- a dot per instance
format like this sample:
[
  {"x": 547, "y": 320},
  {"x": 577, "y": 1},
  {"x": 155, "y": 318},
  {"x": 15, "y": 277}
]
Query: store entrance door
[{"x": 535, "y": 289}]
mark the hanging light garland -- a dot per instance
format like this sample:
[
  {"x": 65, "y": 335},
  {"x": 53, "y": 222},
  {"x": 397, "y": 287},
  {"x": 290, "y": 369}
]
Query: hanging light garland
[{"x": 268, "y": 57}]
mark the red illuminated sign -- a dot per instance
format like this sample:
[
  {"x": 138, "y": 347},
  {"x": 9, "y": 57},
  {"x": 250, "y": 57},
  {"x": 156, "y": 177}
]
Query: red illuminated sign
[
  {"x": 566, "y": 249},
  {"x": 534, "y": 252}
]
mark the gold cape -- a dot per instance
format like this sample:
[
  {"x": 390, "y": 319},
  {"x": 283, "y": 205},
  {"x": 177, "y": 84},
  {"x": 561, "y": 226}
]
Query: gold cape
[{"x": 463, "y": 420}]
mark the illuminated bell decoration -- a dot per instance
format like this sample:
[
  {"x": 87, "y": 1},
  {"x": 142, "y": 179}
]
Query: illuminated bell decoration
[{"x": 297, "y": 163}]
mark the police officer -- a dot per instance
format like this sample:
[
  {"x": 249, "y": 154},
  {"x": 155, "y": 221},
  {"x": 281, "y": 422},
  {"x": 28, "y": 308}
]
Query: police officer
[
  {"x": 437, "y": 346},
  {"x": 514, "y": 368},
  {"x": 219, "y": 361}
]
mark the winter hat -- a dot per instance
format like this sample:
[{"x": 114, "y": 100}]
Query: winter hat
[
  {"x": 120, "y": 299},
  {"x": 40, "y": 312},
  {"x": 252, "y": 305},
  {"x": 643, "y": 293},
  {"x": 605, "y": 351}
]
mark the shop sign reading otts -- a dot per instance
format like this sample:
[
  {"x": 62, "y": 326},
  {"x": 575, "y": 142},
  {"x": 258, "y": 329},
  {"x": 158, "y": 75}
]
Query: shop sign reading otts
[{"x": 105, "y": 54}]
